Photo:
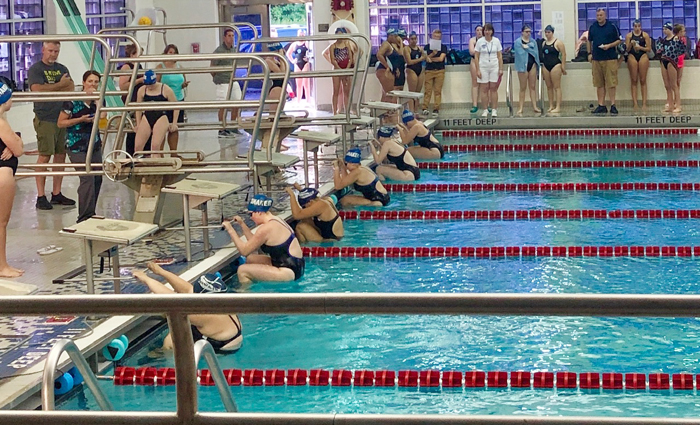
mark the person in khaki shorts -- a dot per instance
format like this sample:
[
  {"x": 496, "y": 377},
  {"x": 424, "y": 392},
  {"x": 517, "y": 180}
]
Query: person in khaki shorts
[
  {"x": 434, "y": 74},
  {"x": 50, "y": 76},
  {"x": 603, "y": 39}
]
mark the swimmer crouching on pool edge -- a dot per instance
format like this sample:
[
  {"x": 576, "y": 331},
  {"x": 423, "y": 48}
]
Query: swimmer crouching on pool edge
[
  {"x": 364, "y": 180},
  {"x": 284, "y": 261},
  {"x": 317, "y": 218},
  {"x": 223, "y": 331},
  {"x": 421, "y": 141}
]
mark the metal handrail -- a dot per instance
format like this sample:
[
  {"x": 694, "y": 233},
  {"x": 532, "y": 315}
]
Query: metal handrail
[
  {"x": 509, "y": 91},
  {"x": 202, "y": 348},
  {"x": 177, "y": 307},
  {"x": 540, "y": 93},
  {"x": 47, "y": 385}
]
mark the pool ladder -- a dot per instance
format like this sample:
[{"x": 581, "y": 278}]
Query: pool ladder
[
  {"x": 509, "y": 90},
  {"x": 202, "y": 349}
]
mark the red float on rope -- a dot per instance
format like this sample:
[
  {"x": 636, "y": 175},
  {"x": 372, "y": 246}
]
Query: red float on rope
[
  {"x": 565, "y": 132},
  {"x": 511, "y": 165},
  {"x": 541, "y": 187}
]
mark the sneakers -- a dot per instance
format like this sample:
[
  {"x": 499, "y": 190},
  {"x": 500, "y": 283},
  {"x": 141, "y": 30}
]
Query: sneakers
[
  {"x": 224, "y": 133},
  {"x": 494, "y": 113},
  {"x": 613, "y": 110},
  {"x": 425, "y": 112},
  {"x": 61, "y": 200},
  {"x": 436, "y": 113},
  {"x": 474, "y": 109},
  {"x": 43, "y": 204},
  {"x": 601, "y": 109},
  {"x": 485, "y": 114}
]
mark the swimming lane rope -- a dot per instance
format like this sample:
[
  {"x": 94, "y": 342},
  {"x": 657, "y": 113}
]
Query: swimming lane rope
[
  {"x": 571, "y": 146},
  {"x": 151, "y": 376},
  {"x": 514, "y": 165},
  {"x": 570, "y": 132},
  {"x": 539, "y": 187},
  {"x": 521, "y": 215}
]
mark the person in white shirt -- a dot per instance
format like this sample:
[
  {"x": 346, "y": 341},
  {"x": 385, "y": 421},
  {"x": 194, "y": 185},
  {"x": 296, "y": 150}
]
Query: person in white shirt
[{"x": 489, "y": 64}]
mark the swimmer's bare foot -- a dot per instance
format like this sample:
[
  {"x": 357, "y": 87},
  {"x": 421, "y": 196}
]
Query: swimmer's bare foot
[
  {"x": 154, "y": 267},
  {"x": 551, "y": 108},
  {"x": 284, "y": 148},
  {"x": 678, "y": 110},
  {"x": 555, "y": 111},
  {"x": 11, "y": 272},
  {"x": 538, "y": 110}
]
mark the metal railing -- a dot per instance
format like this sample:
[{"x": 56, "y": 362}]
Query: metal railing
[
  {"x": 202, "y": 349},
  {"x": 509, "y": 90},
  {"x": 540, "y": 91},
  {"x": 177, "y": 307},
  {"x": 47, "y": 385}
]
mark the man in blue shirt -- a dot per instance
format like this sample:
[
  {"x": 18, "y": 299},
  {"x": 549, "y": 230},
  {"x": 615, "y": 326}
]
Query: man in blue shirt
[{"x": 603, "y": 39}]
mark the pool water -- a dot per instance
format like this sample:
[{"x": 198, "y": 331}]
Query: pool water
[{"x": 590, "y": 344}]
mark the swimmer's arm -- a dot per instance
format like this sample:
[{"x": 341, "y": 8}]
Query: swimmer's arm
[
  {"x": 170, "y": 94},
  {"x": 380, "y": 156},
  {"x": 299, "y": 213},
  {"x": 345, "y": 180},
  {"x": 327, "y": 53},
  {"x": 412, "y": 133},
  {"x": 155, "y": 286},
  {"x": 381, "y": 54},
  {"x": 246, "y": 230},
  {"x": 647, "y": 39},
  {"x": 12, "y": 140},
  {"x": 254, "y": 242},
  {"x": 139, "y": 98},
  {"x": 628, "y": 44},
  {"x": 291, "y": 50}
]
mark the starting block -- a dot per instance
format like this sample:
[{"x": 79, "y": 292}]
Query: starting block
[
  {"x": 379, "y": 109},
  {"x": 312, "y": 141},
  {"x": 101, "y": 234},
  {"x": 406, "y": 96},
  {"x": 195, "y": 194}
]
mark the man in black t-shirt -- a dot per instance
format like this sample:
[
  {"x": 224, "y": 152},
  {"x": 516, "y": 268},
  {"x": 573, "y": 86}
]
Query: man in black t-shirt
[
  {"x": 50, "y": 76},
  {"x": 434, "y": 74},
  {"x": 603, "y": 39}
]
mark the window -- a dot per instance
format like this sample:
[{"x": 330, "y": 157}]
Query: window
[
  {"x": 100, "y": 14},
  {"x": 456, "y": 18},
  {"x": 20, "y": 17},
  {"x": 653, "y": 15}
]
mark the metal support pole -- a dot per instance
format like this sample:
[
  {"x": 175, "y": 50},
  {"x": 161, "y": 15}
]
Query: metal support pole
[
  {"x": 87, "y": 252},
  {"x": 183, "y": 351},
  {"x": 186, "y": 225},
  {"x": 205, "y": 231},
  {"x": 115, "y": 271},
  {"x": 316, "y": 178}
]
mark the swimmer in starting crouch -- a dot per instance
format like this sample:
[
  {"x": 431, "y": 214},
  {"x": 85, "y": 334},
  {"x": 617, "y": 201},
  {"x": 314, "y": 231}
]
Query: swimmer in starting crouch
[
  {"x": 423, "y": 145},
  {"x": 223, "y": 331},
  {"x": 284, "y": 261},
  {"x": 402, "y": 165},
  {"x": 351, "y": 172},
  {"x": 318, "y": 219}
]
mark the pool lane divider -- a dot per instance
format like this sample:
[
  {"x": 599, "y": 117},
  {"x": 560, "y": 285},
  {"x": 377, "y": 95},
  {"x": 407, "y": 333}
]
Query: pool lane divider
[
  {"x": 150, "y": 376},
  {"x": 570, "y": 132},
  {"x": 524, "y": 165},
  {"x": 520, "y": 215},
  {"x": 572, "y": 147},
  {"x": 539, "y": 187},
  {"x": 502, "y": 252}
]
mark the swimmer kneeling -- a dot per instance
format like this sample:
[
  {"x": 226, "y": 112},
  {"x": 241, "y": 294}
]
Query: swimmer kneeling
[
  {"x": 422, "y": 142},
  {"x": 284, "y": 261},
  {"x": 223, "y": 331},
  {"x": 318, "y": 218},
  {"x": 351, "y": 172},
  {"x": 402, "y": 165}
]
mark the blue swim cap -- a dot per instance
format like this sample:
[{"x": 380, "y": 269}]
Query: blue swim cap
[
  {"x": 273, "y": 47},
  {"x": 341, "y": 30},
  {"x": 385, "y": 131},
  {"x": 5, "y": 93},
  {"x": 307, "y": 195},
  {"x": 668, "y": 25},
  {"x": 353, "y": 156},
  {"x": 210, "y": 283},
  {"x": 401, "y": 33},
  {"x": 407, "y": 116},
  {"x": 260, "y": 203},
  {"x": 149, "y": 78},
  {"x": 391, "y": 31}
]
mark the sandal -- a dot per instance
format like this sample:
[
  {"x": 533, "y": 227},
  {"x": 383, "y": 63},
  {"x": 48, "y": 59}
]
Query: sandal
[{"x": 50, "y": 249}]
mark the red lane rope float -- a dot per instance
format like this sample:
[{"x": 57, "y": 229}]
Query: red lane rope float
[
  {"x": 572, "y": 146},
  {"x": 150, "y": 376},
  {"x": 570, "y": 132},
  {"x": 539, "y": 187},
  {"x": 501, "y": 252},
  {"x": 521, "y": 215},
  {"x": 520, "y": 165}
]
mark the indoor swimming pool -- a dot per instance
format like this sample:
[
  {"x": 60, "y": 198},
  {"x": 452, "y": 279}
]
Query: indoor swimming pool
[{"x": 484, "y": 343}]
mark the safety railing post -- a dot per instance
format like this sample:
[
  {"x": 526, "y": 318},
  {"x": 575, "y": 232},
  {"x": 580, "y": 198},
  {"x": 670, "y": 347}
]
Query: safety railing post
[
  {"x": 204, "y": 350},
  {"x": 186, "y": 370}
]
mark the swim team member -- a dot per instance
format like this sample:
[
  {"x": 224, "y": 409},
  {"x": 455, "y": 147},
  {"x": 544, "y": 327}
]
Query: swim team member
[
  {"x": 318, "y": 217},
  {"x": 154, "y": 124},
  {"x": 402, "y": 167},
  {"x": 422, "y": 144},
  {"x": 284, "y": 261},
  {"x": 223, "y": 331},
  {"x": 351, "y": 172}
]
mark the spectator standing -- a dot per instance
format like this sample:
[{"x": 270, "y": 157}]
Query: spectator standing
[
  {"x": 638, "y": 44},
  {"x": 50, "y": 76},
  {"x": 489, "y": 65},
  {"x": 222, "y": 80},
  {"x": 434, "y": 73},
  {"x": 478, "y": 33},
  {"x": 603, "y": 39},
  {"x": 77, "y": 118}
]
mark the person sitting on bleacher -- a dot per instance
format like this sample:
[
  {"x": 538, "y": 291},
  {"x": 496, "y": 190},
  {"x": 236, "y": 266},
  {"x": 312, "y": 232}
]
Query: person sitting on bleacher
[{"x": 421, "y": 141}]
